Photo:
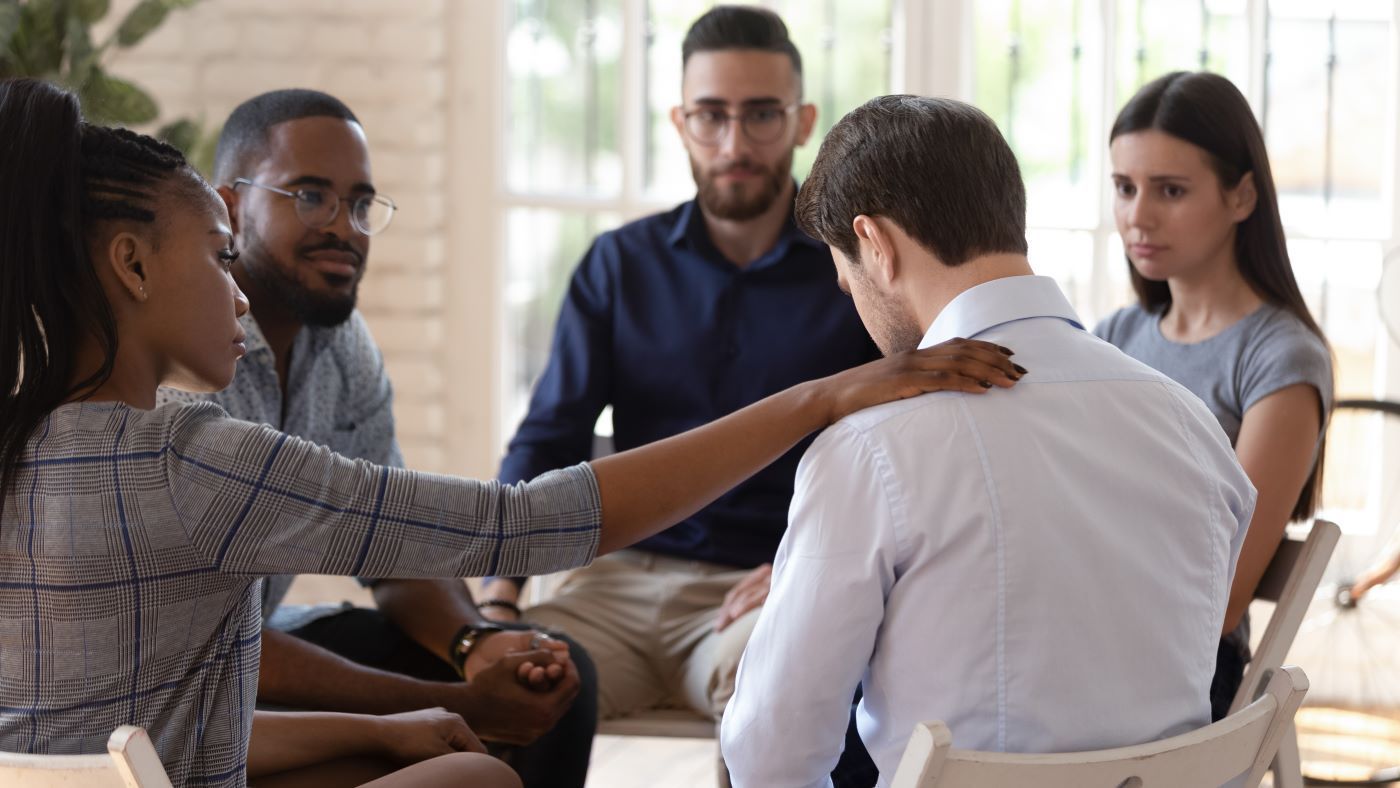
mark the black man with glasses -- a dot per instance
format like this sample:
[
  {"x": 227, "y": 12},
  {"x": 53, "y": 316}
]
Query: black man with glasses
[
  {"x": 294, "y": 168},
  {"x": 673, "y": 320}
]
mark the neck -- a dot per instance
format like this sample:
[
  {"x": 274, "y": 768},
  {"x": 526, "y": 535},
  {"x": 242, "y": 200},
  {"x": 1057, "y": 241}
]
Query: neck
[
  {"x": 1208, "y": 300},
  {"x": 279, "y": 326},
  {"x": 134, "y": 377},
  {"x": 937, "y": 284},
  {"x": 744, "y": 241}
]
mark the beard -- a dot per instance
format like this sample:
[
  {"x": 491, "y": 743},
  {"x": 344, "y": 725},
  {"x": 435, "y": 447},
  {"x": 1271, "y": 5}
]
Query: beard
[
  {"x": 276, "y": 280},
  {"x": 732, "y": 203},
  {"x": 889, "y": 323}
]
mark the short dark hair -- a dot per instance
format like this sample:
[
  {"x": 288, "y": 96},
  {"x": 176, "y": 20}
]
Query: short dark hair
[
  {"x": 244, "y": 135},
  {"x": 740, "y": 27},
  {"x": 936, "y": 167}
]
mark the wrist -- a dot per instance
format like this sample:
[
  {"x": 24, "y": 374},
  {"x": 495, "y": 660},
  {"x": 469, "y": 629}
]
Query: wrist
[
  {"x": 815, "y": 404},
  {"x": 467, "y": 639}
]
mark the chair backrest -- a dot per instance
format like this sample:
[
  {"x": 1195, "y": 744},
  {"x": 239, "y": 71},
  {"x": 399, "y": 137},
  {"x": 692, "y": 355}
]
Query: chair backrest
[
  {"x": 1239, "y": 746},
  {"x": 130, "y": 762},
  {"x": 1290, "y": 581}
]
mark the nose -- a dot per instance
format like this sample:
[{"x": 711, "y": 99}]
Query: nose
[
  {"x": 1139, "y": 212},
  {"x": 240, "y": 302},
  {"x": 341, "y": 225},
  {"x": 733, "y": 142}
]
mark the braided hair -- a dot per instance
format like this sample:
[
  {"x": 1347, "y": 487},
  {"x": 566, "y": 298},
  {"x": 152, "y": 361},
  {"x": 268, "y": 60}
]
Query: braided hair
[{"x": 59, "y": 178}]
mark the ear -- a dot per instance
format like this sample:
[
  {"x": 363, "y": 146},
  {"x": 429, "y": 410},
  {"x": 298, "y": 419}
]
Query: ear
[
  {"x": 877, "y": 249},
  {"x": 125, "y": 253},
  {"x": 806, "y": 121},
  {"x": 1243, "y": 198},
  {"x": 678, "y": 120},
  {"x": 230, "y": 198}
]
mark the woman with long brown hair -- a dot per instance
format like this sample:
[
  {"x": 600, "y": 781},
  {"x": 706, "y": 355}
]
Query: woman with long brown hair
[{"x": 1219, "y": 309}]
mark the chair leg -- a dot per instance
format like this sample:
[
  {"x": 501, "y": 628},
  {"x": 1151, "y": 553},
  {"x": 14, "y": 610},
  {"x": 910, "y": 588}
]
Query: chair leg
[{"x": 1288, "y": 766}]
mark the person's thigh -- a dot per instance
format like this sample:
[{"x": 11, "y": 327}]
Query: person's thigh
[
  {"x": 607, "y": 609},
  {"x": 368, "y": 637},
  {"x": 707, "y": 676}
]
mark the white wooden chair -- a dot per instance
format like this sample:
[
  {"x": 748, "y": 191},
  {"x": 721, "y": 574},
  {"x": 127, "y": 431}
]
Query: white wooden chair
[
  {"x": 1290, "y": 582},
  {"x": 130, "y": 762},
  {"x": 1237, "y": 750}
]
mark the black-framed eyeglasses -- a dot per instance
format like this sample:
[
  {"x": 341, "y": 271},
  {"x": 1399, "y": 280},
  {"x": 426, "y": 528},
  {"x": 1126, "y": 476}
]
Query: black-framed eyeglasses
[
  {"x": 762, "y": 125},
  {"x": 317, "y": 207}
]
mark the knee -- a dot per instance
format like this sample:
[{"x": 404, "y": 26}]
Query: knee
[{"x": 468, "y": 768}]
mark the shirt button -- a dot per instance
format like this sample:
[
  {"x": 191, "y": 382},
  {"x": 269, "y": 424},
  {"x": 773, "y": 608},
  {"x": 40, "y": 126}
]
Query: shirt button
[{"x": 731, "y": 350}]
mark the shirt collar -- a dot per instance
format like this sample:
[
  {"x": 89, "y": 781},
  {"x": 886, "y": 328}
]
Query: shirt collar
[{"x": 998, "y": 302}]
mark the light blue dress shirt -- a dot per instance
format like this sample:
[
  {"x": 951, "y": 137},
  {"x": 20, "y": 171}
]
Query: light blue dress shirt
[{"x": 1043, "y": 568}]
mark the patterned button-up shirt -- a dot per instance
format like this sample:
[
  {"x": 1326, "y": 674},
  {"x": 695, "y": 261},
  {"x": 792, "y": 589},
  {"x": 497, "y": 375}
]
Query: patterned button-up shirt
[
  {"x": 338, "y": 395},
  {"x": 131, "y": 543}
]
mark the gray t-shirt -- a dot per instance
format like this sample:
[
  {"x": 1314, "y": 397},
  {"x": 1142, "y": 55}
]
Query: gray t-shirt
[{"x": 1265, "y": 352}]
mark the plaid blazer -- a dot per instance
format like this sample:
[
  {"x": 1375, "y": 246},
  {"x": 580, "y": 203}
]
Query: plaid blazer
[{"x": 131, "y": 543}]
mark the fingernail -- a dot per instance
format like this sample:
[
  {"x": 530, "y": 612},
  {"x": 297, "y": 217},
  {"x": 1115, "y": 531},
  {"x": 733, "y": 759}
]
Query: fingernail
[
  {"x": 1006, "y": 350},
  {"x": 1019, "y": 368},
  {"x": 986, "y": 384}
]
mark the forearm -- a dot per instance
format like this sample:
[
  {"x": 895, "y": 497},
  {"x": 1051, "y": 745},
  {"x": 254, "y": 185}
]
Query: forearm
[
  {"x": 430, "y": 612},
  {"x": 289, "y": 740},
  {"x": 298, "y": 674},
  {"x": 650, "y": 488}
]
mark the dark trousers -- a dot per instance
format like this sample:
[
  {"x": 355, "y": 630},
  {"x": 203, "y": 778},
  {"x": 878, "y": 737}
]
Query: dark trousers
[
  {"x": 557, "y": 759},
  {"x": 855, "y": 769}
]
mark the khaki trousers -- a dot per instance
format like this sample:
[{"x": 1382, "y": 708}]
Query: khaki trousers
[{"x": 648, "y": 621}]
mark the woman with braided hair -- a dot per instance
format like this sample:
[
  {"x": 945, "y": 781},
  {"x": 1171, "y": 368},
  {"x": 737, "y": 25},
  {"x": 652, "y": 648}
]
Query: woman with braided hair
[{"x": 132, "y": 538}]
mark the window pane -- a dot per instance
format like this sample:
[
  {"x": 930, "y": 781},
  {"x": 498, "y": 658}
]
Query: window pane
[
  {"x": 563, "y": 92},
  {"x": 845, "y": 48},
  {"x": 1069, "y": 258},
  {"x": 1329, "y": 95},
  {"x": 1156, "y": 37},
  {"x": 543, "y": 247},
  {"x": 1037, "y": 71},
  {"x": 667, "y": 169}
]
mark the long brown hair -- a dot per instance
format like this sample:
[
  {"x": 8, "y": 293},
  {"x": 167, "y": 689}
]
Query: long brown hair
[{"x": 1208, "y": 111}]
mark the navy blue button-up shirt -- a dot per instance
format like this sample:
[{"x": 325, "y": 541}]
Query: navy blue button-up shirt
[{"x": 660, "y": 325}]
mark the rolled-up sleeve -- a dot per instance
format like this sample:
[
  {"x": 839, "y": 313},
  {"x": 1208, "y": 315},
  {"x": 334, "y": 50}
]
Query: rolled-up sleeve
[{"x": 786, "y": 723}]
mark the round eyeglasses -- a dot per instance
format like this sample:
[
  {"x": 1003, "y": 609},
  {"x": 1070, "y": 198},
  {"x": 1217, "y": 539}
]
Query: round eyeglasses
[
  {"x": 317, "y": 207},
  {"x": 762, "y": 125}
]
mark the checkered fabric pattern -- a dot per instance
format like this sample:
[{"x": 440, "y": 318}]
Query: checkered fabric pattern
[{"x": 131, "y": 543}]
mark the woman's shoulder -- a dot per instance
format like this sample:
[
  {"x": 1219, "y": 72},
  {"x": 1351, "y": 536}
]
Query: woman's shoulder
[
  {"x": 1129, "y": 321},
  {"x": 1274, "y": 331}
]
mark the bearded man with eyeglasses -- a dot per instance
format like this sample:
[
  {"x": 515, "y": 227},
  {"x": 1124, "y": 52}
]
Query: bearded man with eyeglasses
[
  {"x": 673, "y": 320},
  {"x": 293, "y": 167}
]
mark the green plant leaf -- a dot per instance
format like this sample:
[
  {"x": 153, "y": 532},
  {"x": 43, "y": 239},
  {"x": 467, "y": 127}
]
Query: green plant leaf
[
  {"x": 9, "y": 22},
  {"x": 183, "y": 134},
  {"x": 82, "y": 57},
  {"x": 88, "y": 11},
  {"x": 36, "y": 46},
  {"x": 144, "y": 18},
  {"x": 109, "y": 100}
]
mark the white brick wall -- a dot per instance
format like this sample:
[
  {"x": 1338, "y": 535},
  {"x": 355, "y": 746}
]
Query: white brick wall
[{"x": 391, "y": 63}]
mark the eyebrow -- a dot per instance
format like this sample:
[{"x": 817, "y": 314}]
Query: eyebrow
[
  {"x": 1155, "y": 178},
  {"x": 765, "y": 101},
  {"x": 325, "y": 183}
]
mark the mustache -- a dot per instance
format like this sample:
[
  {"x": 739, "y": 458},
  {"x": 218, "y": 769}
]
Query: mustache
[
  {"x": 332, "y": 244},
  {"x": 738, "y": 164}
]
